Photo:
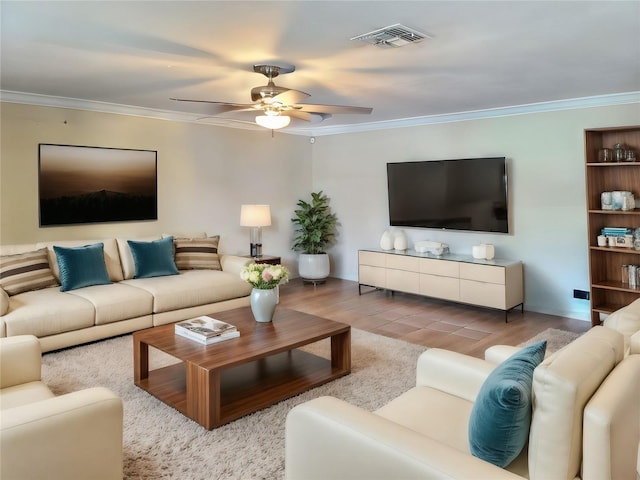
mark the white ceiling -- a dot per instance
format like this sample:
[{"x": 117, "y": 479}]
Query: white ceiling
[{"x": 483, "y": 55}]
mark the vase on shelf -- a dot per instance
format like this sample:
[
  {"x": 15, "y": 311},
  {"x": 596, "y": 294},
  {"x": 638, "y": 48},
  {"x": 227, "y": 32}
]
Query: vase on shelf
[
  {"x": 263, "y": 304},
  {"x": 386, "y": 242},
  {"x": 400, "y": 241}
]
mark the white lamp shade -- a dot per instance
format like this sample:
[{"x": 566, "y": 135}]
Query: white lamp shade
[
  {"x": 255, "y": 215},
  {"x": 273, "y": 122}
]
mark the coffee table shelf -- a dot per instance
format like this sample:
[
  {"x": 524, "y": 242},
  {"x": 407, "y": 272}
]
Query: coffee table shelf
[{"x": 216, "y": 384}]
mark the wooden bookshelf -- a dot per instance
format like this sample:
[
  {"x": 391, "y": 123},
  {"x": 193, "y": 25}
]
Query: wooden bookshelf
[{"x": 608, "y": 292}]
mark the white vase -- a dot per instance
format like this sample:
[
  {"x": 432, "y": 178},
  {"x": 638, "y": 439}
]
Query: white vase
[
  {"x": 263, "y": 304},
  {"x": 400, "y": 240},
  {"x": 386, "y": 242}
]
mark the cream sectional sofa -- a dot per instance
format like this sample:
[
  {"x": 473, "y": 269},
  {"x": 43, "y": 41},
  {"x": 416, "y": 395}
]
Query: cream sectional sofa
[{"x": 62, "y": 319}]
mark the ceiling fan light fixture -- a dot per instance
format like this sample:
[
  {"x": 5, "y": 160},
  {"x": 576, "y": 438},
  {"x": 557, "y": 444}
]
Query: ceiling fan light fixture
[{"x": 273, "y": 122}]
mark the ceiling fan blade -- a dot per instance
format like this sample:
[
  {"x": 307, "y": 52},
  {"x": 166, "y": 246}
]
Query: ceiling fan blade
[
  {"x": 290, "y": 97},
  {"x": 332, "y": 109},
  {"x": 222, "y": 104}
]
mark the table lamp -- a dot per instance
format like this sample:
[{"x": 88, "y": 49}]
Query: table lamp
[{"x": 256, "y": 217}]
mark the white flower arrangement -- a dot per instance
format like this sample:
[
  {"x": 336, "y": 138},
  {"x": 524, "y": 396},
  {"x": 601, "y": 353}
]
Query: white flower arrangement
[{"x": 264, "y": 276}]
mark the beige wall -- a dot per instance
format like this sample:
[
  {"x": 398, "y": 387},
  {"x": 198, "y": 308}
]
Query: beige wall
[
  {"x": 545, "y": 153},
  {"x": 204, "y": 174}
]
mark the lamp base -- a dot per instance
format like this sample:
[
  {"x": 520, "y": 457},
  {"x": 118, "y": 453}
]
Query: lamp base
[{"x": 256, "y": 250}]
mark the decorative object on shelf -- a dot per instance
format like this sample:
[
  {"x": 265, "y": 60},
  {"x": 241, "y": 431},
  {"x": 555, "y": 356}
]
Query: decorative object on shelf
[
  {"x": 264, "y": 279},
  {"x": 636, "y": 239},
  {"x": 619, "y": 152},
  {"x": 617, "y": 237},
  {"x": 256, "y": 217},
  {"x": 602, "y": 241},
  {"x": 485, "y": 251},
  {"x": 386, "y": 241},
  {"x": 605, "y": 155},
  {"x": 630, "y": 156},
  {"x": 400, "y": 242},
  {"x": 428, "y": 246},
  {"x": 315, "y": 231},
  {"x": 606, "y": 202},
  {"x": 622, "y": 200}
]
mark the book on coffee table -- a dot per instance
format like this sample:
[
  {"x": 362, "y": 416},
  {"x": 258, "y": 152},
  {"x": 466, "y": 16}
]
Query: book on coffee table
[{"x": 206, "y": 330}]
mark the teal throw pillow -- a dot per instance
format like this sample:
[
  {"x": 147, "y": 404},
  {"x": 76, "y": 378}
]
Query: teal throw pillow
[
  {"x": 153, "y": 259},
  {"x": 81, "y": 266},
  {"x": 501, "y": 416}
]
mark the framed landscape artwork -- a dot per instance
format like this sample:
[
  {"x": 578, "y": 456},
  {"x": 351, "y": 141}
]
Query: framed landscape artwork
[{"x": 80, "y": 184}]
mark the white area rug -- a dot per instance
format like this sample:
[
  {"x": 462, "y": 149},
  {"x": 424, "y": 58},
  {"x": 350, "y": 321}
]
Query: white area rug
[
  {"x": 160, "y": 443},
  {"x": 556, "y": 339}
]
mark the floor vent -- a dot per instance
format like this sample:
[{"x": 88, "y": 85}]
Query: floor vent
[{"x": 392, "y": 36}]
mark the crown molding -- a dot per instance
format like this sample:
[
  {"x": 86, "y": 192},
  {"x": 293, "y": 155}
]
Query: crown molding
[
  {"x": 317, "y": 131},
  {"x": 541, "y": 107}
]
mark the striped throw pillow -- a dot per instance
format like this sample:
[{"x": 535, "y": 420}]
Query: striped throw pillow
[
  {"x": 197, "y": 253},
  {"x": 26, "y": 271}
]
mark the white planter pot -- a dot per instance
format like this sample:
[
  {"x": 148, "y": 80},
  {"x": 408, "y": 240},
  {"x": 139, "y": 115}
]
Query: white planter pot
[{"x": 313, "y": 268}]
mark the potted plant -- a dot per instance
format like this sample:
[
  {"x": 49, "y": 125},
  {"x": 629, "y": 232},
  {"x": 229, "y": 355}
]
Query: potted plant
[{"x": 315, "y": 231}]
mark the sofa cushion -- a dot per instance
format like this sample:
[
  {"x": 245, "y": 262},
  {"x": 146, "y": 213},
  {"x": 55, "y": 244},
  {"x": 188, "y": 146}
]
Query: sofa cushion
[
  {"x": 197, "y": 253},
  {"x": 126, "y": 258},
  {"x": 191, "y": 288},
  {"x": 501, "y": 416},
  {"x": 47, "y": 312},
  {"x": 81, "y": 266},
  {"x": 562, "y": 385},
  {"x": 26, "y": 271},
  {"x": 116, "y": 302},
  {"x": 111, "y": 255},
  {"x": 153, "y": 259},
  {"x": 433, "y": 413}
]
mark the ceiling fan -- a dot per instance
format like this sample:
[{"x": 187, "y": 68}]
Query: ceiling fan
[{"x": 276, "y": 105}]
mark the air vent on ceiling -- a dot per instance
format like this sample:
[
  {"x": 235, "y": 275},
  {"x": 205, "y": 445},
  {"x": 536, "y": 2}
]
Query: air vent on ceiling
[{"x": 392, "y": 36}]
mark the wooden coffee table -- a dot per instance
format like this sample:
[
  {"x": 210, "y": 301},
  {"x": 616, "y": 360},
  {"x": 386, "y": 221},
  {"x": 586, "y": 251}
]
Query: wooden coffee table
[{"x": 215, "y": 384}]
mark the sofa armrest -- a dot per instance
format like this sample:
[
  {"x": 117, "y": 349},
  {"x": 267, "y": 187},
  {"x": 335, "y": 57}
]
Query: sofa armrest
[
  {"x": 452, "y": 372},
  {"x": 20, "y": 360},
  {"x": 499, "y": 353},
  {"x": 612, "y": 425},
  {"x": 234, "y": 263},
  {"x": 4, "y": 302},
  {"x": 78, "y": 435},
  {"x": 626, "y": 321},
  {"x": 329, "y": 438}
]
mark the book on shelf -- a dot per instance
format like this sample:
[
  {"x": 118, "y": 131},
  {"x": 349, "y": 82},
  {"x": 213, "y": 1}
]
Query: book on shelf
[{"x": 206, "y": 330}]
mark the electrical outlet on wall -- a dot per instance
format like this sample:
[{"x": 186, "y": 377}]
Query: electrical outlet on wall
[{"x": 581, "y": 294}]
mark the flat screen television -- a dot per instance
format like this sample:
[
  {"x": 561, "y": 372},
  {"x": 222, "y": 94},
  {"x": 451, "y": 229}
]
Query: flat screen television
[{"x": 463, "y": 194}]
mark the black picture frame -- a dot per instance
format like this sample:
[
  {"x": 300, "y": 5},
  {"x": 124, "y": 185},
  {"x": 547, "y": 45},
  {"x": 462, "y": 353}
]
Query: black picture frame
[{"x": 85, "y": 184}]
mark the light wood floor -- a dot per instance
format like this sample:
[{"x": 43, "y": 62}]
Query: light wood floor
[{"x": 415, "y": 319}]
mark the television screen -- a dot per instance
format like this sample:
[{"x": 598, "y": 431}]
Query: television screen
[{"x": 465, "y": 194}]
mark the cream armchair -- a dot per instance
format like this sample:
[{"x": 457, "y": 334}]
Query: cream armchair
[
  {"x": 77, "y": 435},
  {"x": 423, "y": 434}
]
